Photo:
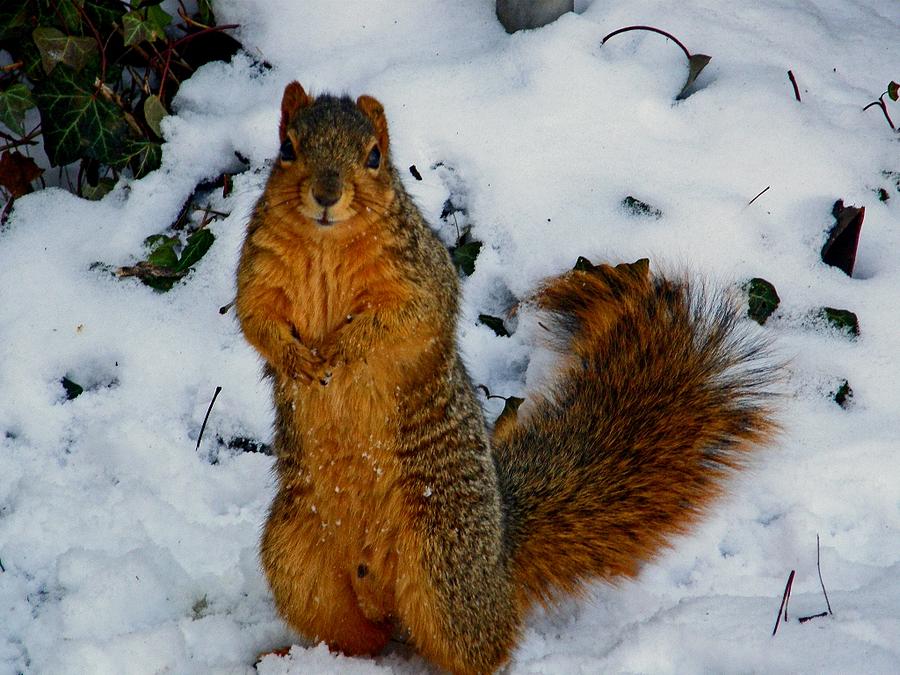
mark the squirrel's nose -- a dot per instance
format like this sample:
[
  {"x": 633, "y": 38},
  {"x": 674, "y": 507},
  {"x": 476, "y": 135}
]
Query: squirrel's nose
[
  {"x": 327, "y": 190},
  {"x": 326, "y": 199}
]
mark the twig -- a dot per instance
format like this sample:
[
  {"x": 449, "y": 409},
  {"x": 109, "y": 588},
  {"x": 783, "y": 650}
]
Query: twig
[
  {"x": 881, "y": 104},
  {"x": 205, "y": 419},
  {"x": 487, "y": 392},
  {"x": 224, "y": 308},
  {"x": 27, "y": 139},
  {"x": 2, "y": 568},
  {"x": 114, "y": 98},
  {"x": 794, "y": 82},
  {"x": 206, "y": 210},
  {"x": 9, "y": 67},
  {"x": 190, "y": 21},
  {"x": 804, "y": 619},
  {"x": 147, "y": 270},
  {"x": 819, "y": 568},
  {"x": 210, "y": 29},
  {"x": 759, "y": 195},
  {"x": 652, "y": 30},
  {"x": 788, "y": 589},
  {"x": 784, "y": 601}
]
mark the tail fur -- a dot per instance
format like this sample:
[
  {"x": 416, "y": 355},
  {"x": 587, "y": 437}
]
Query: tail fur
[{"x": 664, "y": 394}]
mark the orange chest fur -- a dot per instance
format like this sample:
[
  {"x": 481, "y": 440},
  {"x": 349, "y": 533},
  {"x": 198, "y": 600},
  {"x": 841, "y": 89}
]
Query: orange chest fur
[{"x": 327, "y": 278}]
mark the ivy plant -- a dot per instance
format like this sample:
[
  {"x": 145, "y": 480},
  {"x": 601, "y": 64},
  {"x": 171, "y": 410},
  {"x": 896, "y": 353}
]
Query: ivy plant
[{"x": 101, "y": 75}]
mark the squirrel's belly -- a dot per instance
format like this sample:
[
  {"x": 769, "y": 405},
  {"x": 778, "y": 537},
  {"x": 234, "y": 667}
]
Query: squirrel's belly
[{"x": 353, "y": 499}]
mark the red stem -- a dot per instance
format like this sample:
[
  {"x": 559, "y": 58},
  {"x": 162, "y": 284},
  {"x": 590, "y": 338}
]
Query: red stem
[
  {"x": 100, "y": 44},
  {"x": 652, "y": 30},
  {"x": 211, "y": 29},
  {"x": 881, "y": 104},
  {"x": 165, "y": 74},
  {"x": 187, "y": 38}
]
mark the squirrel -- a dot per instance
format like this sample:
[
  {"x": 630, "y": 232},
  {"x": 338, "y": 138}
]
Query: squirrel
[{"x": 398, "y": 511}]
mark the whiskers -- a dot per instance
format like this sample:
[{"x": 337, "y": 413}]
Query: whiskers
[
  {"x": 285, "y": 196},
  {"x": 369, "y": 208}
]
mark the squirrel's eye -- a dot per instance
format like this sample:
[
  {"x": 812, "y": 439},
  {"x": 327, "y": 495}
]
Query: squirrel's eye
[
  {"x": 287, "y": 153},
  {"x": 373, "y": 161}
]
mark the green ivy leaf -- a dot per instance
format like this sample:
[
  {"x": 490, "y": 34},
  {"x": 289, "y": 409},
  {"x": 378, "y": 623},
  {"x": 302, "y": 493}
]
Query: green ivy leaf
[
  {"x": 162, "y": 250},
  {"x": 14, "y": 102},
  {"x": 67, "y": 13},
  {"x": 73, "y": 389},
  {"x": 842, "y": 319},
  {"x": 57, "y": 47},
  {"x": 13, "y": 20},
  {"x": 154, "y": 111},
  {"x": 141, "y": 156},
  {"x": 205, "y": 12},
  {"x": 893, "y": 90},
  {"x": 76, "y": 121},
  {"x": 136, "y": 28},
  {"x": 197, "y": 246},
  {"x": 494, "y": 323},
  {"x": 145, "y": 25},
  {"x": 95, "y": 192},
  {"x": 464, "y": 256},
  {"x": 161, "y": 284},
  {"x": 158, "y": 17},
  {"x": 28, "y": 53},
  {"x": 763, "y": 299},
  {"x": 103, "y": 14}
]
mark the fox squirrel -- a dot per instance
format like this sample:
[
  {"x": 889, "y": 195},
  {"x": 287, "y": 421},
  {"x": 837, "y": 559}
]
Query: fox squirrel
[{"x": 397, "y": 512}]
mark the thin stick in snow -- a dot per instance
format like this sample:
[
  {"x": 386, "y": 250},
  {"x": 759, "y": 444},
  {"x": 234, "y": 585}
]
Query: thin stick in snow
[
  {"x": 794, "y": 82},
  {"x": 759, "y": 195},
  {"x": 804, "y": 619},
  {"x": 819, "y": 568},
  {"x": 784, "y": 601},
  {"x": 206, "y": 419}
]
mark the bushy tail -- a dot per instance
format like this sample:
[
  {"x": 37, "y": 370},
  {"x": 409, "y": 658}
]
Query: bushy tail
[{"x": 665, "y": 393}]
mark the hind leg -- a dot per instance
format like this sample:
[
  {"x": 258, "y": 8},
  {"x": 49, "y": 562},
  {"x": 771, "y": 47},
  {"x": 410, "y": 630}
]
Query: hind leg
[{"x": 313, "y": 592}]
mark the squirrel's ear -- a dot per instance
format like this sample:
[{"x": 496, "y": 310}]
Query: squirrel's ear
[
  {"x": 293, "y": 100},
  {"x": 375, "y": 112}
]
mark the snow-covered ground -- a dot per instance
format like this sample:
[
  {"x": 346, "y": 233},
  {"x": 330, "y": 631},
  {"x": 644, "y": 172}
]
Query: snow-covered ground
[{"x": 126, "y": 550}]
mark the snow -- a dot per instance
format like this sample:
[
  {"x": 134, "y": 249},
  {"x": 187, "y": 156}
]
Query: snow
[{"x": 126, "y": 550}]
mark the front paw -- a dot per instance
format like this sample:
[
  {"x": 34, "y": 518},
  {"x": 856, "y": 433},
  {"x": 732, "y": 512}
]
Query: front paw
[{"x": 302, "y": 363}]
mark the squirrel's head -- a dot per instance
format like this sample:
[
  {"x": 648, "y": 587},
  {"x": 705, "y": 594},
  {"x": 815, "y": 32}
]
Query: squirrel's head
[{"x": 333, "y": 161}]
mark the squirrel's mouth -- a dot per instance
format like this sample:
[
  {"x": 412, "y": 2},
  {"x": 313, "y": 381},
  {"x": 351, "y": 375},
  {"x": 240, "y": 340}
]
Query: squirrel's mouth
[
  {"x": 328, "y": 218},
  {"x": 324, "y": 217}
]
